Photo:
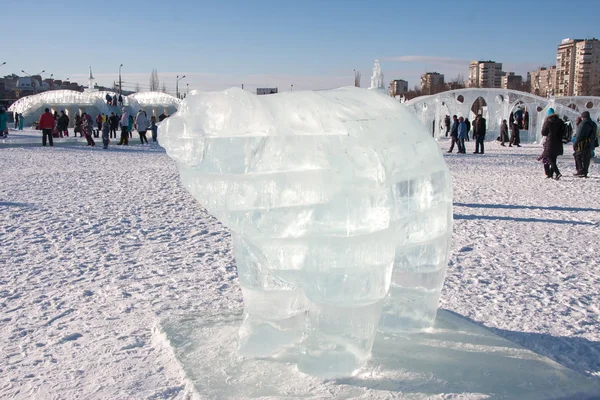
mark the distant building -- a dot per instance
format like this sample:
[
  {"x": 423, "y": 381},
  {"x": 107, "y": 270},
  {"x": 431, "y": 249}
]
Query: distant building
[
  {"x": 485, "y": 74},
  {"x": 578, "y": 67},
  {"x": 432, "y": 82},
  {"x": 260, "y": 91},
  {"x": 543, "y": 81},
  {"x": 512, "y": 81},
  {"x": 398, "y": 87}
]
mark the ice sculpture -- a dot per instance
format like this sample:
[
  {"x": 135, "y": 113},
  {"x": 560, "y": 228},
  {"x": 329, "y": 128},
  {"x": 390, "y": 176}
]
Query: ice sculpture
[
  {"x": 94, "y": 102},
  {"x": 332, "y": 197}
]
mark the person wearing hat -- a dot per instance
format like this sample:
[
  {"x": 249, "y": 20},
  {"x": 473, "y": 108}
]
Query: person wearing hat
[
  {"x": 46, "y": 124},
  {"x": 553, "y": 129},
  {"x": 584, "y": 144}
]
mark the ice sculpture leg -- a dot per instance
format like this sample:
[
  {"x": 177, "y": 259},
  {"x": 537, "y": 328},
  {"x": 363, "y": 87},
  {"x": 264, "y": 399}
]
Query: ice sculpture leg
[
  {"x": 422, "y": 253},
  {"x": 274, "y": 303}
]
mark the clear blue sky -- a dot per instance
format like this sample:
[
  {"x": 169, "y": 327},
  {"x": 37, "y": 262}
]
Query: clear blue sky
[{"x": 311, "y": 44}]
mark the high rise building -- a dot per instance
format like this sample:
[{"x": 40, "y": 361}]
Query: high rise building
[
  {"x": 543, "y": 81},
  {"x": 578, "y": 67},
  {"x": 432, "y": 82},
  {"x": 398, "y": 87},
  {"x": 587, "y": 68},
  {"x": 485, "y": 74},
  {"x": 512, "y": 81}
]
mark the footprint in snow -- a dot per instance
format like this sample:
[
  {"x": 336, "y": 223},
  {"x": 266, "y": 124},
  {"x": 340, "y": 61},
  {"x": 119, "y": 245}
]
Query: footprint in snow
[
  {"x": 70, "y": 338},
  {"x": 465, "y": 249}
]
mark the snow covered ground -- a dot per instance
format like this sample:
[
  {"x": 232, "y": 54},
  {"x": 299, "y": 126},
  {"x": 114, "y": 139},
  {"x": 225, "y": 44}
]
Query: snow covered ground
[{"x": 96, "y": 246}]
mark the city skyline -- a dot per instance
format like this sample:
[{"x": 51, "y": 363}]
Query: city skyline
[{"x": 312, "y": 45}]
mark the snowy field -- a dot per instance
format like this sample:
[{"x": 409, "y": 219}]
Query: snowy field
[{"x": 96, "y": 246}]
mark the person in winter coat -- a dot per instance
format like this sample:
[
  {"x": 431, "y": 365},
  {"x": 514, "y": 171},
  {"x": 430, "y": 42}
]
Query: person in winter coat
[
  {"x": 462, "y": 135},
  {"x": 99, "y": 123},
  {"x": 584, "y": 144},
  {"x": 130, "y": 126},
  {"x": 124, "y": 124},
  {"x": 3, "y": 123},
  {"x": 46, "y": 124},
  {"x": 16, "y": 121},
  {"x": 503, "y": 133},
  {"x": 88, "y": 128},
  {"x": 553, "y": 129},
  {"x": 515, "y": 137},
  {"x": 154, "y": 129},
  {"x": 20, "y": 122},
  {"x": 454, "y": 134},
  {"x": 78, "y": 125},
  {"x": 479, "y": 134},
  {"x": 113, "y": 123},
  {"x": 141, "y": 125},
  {"x": 105, "y": 135},
  {"x": 63, "y": 124},
  {"x": 468, "y": 124}
]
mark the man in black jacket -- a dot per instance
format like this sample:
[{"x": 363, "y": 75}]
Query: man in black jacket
[
  {"x": 454, "y": 134},
  {"x": 479, "y": 129},
  {"x": 553, "y": 130},
  {"x": 584, "y": 144}
]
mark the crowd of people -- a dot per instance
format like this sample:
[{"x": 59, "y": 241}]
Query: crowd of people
[
  {"x": 459, "y": 133},
  {"x": 556, "y": 133},
  {"x": 56, "y": 126}
]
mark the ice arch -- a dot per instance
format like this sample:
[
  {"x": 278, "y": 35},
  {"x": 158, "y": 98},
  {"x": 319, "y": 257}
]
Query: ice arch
[
  {"x": 91, "y": 102},
  {"x": 499, "y": 104}
]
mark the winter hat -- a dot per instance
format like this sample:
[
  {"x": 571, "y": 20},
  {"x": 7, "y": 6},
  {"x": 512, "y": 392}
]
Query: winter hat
[{"x": 550, "y": 111}]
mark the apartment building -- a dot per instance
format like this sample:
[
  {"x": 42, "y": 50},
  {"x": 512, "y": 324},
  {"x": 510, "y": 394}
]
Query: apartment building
[
  {"x": 398, "y": 87},
  {"x": 543, "y": 81},
  {"x": 485, "y": 74},
  {"x": 432, "y": 82}
]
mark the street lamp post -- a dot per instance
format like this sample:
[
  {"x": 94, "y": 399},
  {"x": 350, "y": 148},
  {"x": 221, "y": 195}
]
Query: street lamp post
[
  {"x": 187, "y": 89},
  {"x": 3, "y": 63},
  {"x": 120, "y": 91},
  {"x": 33, "y": 81},
  {"x": 292, "y": 88},
  {"x": 177, "y": 85}
]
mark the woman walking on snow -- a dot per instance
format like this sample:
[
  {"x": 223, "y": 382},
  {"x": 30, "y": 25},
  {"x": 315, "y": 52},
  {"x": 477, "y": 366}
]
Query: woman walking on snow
[{"x": 141, "y": 125}]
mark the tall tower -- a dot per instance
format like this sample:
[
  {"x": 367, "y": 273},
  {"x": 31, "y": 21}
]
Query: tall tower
[
  {"x": 377, "y": 77},
  {"x": 91, "y": 82}
]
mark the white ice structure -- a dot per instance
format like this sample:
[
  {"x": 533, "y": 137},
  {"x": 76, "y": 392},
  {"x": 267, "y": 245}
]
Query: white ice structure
[
  {"x": 497, "y": 105},
  {"x": 94, "y": 102},
  {"x": 377, "y": 77},
  {"x": 340, "y": 206}
]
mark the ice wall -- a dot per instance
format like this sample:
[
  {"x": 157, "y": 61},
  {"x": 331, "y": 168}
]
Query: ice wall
[
  {"x": 496, "y": 105},
  {"x": 333, "y": 198}
]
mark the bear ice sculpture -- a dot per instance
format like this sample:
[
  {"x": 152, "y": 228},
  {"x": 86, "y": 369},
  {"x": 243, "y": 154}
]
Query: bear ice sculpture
[{"x": 340, "y": 206}]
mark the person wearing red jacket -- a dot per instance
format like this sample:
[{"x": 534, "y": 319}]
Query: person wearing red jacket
[{"x": 46, "y": 125}]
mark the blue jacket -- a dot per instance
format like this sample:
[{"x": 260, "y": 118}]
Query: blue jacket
[{"x": 462, "y": 130}]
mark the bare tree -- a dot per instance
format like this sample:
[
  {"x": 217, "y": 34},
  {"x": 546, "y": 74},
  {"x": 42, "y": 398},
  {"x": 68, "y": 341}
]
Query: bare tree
[
  {"x": 164, "y": 88},
  {"x": 137, "y": 87},
  {"x": 356, "y": 78},
  {"x": 154, "y": 82}
]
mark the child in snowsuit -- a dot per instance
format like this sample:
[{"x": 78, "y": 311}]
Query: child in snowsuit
[
  {"x": 153, "y": 128},
  {"x": 105, "y": 134}
]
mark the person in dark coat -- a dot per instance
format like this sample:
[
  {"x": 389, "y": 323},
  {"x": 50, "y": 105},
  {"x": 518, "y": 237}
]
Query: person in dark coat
[
  {"x": 503, "y": 133},
  {"x": 113, "y": 122},
  {"x": 479, "y": 134},
  {"x": 515, "y": 137},
  {"x": 468, "y": 124},
  {"x": 584, "y": 144},
  {"x": 63, "y": 124},
  {"x": 454, "y": 134},
  {"x": 553, "y": 130}
]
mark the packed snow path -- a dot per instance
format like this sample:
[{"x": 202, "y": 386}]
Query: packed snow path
[{"x": 97, "y": 245}]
